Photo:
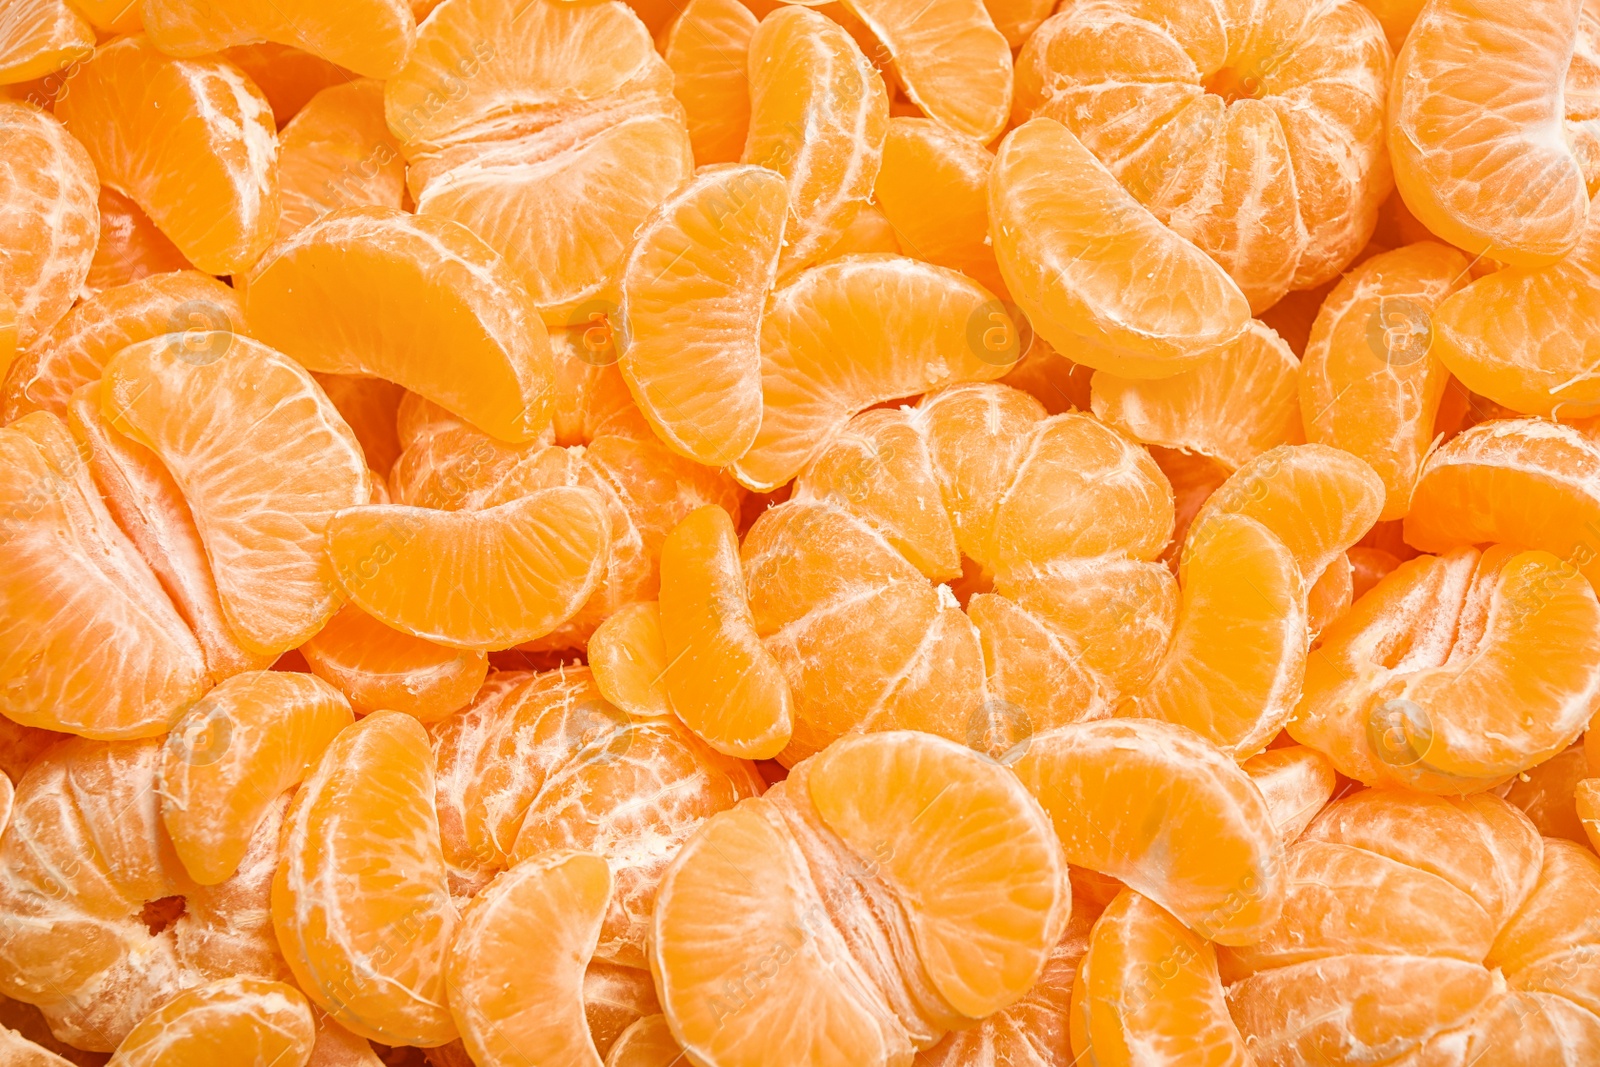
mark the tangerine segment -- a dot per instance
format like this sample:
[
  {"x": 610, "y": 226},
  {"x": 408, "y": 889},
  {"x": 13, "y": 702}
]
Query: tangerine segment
[
  {"x": 1232, "y": 407},
  {"x": 720, "y": 679},
  {"x": 264, "y": 461},
  {"x": 288, "y": 76},
  {"x": 39, "y": 37},
  {"x": 981, "y": 950},
  {"x": 819, "y": 113},
  {"x": 370, "y": 37},
  {"x": 378, "y": 292},
  {"x": 1297, "y": 783},
  {"x": 49, "y": 221},
  {"x": 1155, "y": 805},
  {"x": 1098, "y": 274},
  {"x": 855, "y": 332},
  {"x": 516, "y": 967},
  {"x": 647, "y": 1043},
  {"x": 92, "y": 645},
  {"x": 235, "y": 1020},
  {"x": 1372, "y": 379},
  {"x": 1147, "y": 982},
  {"x": 1456, "y": 672},
  {"x": 378, "y": 667},
  {"x": 1524, "y": 336},
  {"x": 149, "y": 507},
  {"x": 1587, "y": 802},
  {"x": 873, "y": 958},
  {"x": 338, "y": 152},
  {"x": 1237, "y": 690},
  {"x": 474, "y": 579},
  {"x": 130, "y": 246},
  {"x": 360, "y": 903},
  {"x": 1476, "y": 129},
  {"x": 949, "y": 59},
  {"x": 22, "y": 1052},
  {"x": 933, "y": 188},
  {"x": 511, "y": 129},
  {"x": 692, "y": 295},
  {"x": 232, "y": 754},
  {"x": 707, "y": 47},
  {"x": 1548, "y": 794},
  {"x": 1518, "y": 481},
  {"x": 629, "y": 658},
  {"x": 198, "y": 152},
  {"x": 75, "y": 351}
]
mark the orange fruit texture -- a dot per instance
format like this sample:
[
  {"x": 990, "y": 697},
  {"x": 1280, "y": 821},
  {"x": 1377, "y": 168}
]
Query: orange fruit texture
[
  {"x": 130, "y": 245},
  {"x": 38, "y": 37},
  {"x": 1473, "y": 927},
  {"x": 236, "y": 1017},
  {"x": 370, "y": 37},
  {"x": 707, "y": 46},
  {"x": 1255, "y": 132},
  {"x": 200, "y": 158},
  {"x": 863, "y": 873}
]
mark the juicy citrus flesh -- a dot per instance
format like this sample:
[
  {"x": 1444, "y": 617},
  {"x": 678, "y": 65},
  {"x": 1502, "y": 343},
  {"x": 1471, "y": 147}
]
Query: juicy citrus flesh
[
  {"x": 267, "y": 1021},
  {"x": 377, "y": 667},
  {"x": 706, "y": 47},
  {"x": 370, "y": 37}
]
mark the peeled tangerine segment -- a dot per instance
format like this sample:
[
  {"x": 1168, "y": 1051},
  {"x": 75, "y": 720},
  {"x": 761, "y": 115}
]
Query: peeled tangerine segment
[
  {"x": 1099, "y": 276},
  {"x": 376, "y": 666},
  {"x": 692, "y": 295},
  {"x": 233, "y": 753},
  {"x": 1297, "y": 782},
  {"x": 1525, "y": 482},
  {"x": 1233, "y": 669},
  {"x": 40, "y": 37},
  {"x": 49, "y": 222},
  {"x": 235, "y": 1020},
  {"x": 264, "y": 460},
  {"x": 628, "y": 655},
  {"x": 1456, "y": 672},
  {"x": 516, "y": 967},
  {"x": 894, "y": 886},
  {"x": 857, "y": 331},
  {"x": 1477, "y": 129},
  {"x": 818, "y": 115},
  {"x": 192, "y": 141},
  {"x": 91, "y": 643},
  {"x": 952, "y": 62},
  {"x": 647, "y": 1043},
  {"x": 481, "y": 580},
  {"x": 1168, "y": 813},
  {"x": 720, "y": 679},
  {"x": 370, "y": 37},
  {"x": 1148, "y": 982},
  {"x": 337, "y": 152},
  {"x": 379, "y": 292},
  {"x": 708, "y": 48},
  {"x": 1526, "y": 337},
  {"x": 360, "y": 902},
  {"x": 513, "y": 129},
  {"x": 1372, "y": 379}
]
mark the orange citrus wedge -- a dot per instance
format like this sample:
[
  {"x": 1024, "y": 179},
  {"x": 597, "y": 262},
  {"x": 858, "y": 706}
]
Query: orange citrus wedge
[
  {"x": 236, "y": 1020},
  {"x": 338, "y": 152},
  {"x": 379, "y": 292},
  {"x": 720, "y": 679},
  {"x": 39, "y": 37},
  {"x": 379, "y": 667},
  {"x": 707, "y": 47},
  {"x": 370, "y": 37},
  {"x": 131, "y": 246},
  {"x": 1296, "y": 781},
  {"x": 629, "y": 658}
]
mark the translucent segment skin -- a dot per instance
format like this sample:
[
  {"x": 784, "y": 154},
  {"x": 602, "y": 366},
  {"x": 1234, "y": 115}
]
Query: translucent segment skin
[
  {"x": 130, "y": 246},
  {"x": 248, "y": 1019},
  {"x": 370, "y": 37},
  {"x": 1166, "y": 812},
  {"x": 423, "y": 285},
  {"x": 1476, "y": 129},
  {"x": 1525, "y": 482},
  {"x": 1101, "y": 278},
  {"x": 263, "y": 459},
  {"x": 949, "y": 59},
  {"x": 1148, "y": 991},
  {"x": 77, "y": 348},
  {"x": 22, "y": 1052},
  {"x": 50, "y": 220},
  {"x": 836, "y": 851},
  {"x": 647, "y": 1043},
  {"x": 1297, "y": 783},
  {"x": 202, "y": 165},
  {"x": 476, "y": 580},
  {"x": 1455, "y": 672},
  {"x": 1547, "y": 794},
  {"x": 360, "y": 902},
  {"x": 693, "y": 288},
  {"x": 39, "y": 37},
  {"x": 149, "y": 508},
  {"x": 233, "y": 753},
  {"x": 1372, "y": 379},
  {"x": 819, "y": 113},
  {"x": 80, "y": 604},
  {"x": 629, "y": 658},
  {"x": 337, "y": 152},
  {"x": 706, "y": 47},
  {"x": 720, "y": 679},
  {"x": 376, "y": 666},
  {"x": 542, "y": 917}
]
